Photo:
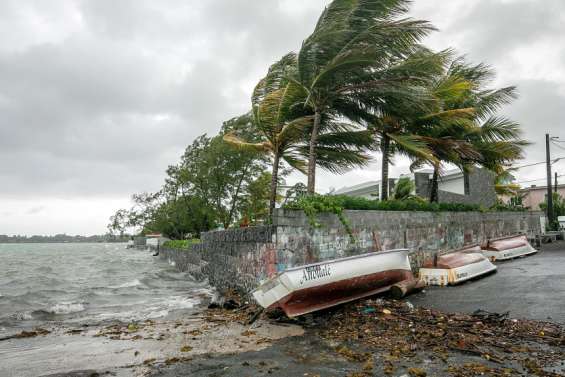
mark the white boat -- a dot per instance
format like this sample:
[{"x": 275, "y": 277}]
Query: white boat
[
  {"x": 508, "y": 248},
  {"x": 313, "y": 287},
  {"x": 456, "y": 267}
]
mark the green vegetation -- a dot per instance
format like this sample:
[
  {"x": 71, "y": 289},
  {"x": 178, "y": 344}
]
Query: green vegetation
[
  {"x": 558, "y": 210},
  {"x": 181, "y": 244},
  {"x": 328, "y": 203},
  {"x": 361, "y": 82},
  {"x": 404, "y": 189}
]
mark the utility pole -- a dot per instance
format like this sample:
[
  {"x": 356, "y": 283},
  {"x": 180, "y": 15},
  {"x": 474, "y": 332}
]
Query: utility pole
[
  {"x": 556, "y": 182},
  {"x": 549, "y": 190}
]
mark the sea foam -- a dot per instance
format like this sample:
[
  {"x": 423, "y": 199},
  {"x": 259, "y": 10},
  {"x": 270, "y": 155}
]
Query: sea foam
[{"x": 66, "y": 308}]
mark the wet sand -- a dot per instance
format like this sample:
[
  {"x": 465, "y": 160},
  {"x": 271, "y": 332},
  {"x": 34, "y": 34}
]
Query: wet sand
[{"x": 122, "y": 350}]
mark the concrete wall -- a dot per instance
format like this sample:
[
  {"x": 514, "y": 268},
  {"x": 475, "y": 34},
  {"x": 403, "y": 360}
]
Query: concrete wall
[
  {"x": 424, "y": 233},
  {"x": 481, "y": 189},
  {"x": 241, "y": 258}
]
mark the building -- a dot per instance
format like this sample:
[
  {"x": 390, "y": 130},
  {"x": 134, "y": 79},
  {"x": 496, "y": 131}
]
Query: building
[
  {"x": 367, "y": 190},
  {"x": 476, "y": 187},
  {"x": 533, "y": 196}
]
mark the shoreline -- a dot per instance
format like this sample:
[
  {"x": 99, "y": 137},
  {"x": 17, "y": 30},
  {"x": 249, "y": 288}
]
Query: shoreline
[
  {"x": 132, "y": 349},
  {"x": 374, "y": 337}
]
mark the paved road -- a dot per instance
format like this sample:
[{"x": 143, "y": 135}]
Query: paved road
[{"x": 531, "y": 287}]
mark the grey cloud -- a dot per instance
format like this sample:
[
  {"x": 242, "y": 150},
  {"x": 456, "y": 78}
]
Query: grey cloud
[
  {"x": 35, "y": 210},
  {"x": 110, "y": 93},
  {"x": 100, "y": 96},
  {"x": 497, "y": 27}
]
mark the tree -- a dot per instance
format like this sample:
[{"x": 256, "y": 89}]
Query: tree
[
  {"x": 558, "y": 210},
  {"x": 280, "y": 120},
  {"x": 118, "y": 222},
  {"x": 185, "y": 215},
  {"x": 255, "y": 206},
  {"x": 284, "y": 122},
  {"x": 404, "y": 189},
  {"x": 205, "y": 188},
  {"x": 392, "y": 110},
  {"x": 338, "y": 60},
  {"x": 216, "y": 173},
  {"x": 460, "y": 127}
]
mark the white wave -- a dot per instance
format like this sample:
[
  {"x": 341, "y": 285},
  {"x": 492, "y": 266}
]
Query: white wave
[
  {"x": 158, "y": 314},
  {"x": 172, "y": 263},
  {"x": 22, "y": 316},
  {"x": 129, "y": 284},
  {"x": 66, "y": 308},
  {"x": 181, "y": 302},
  {"x": 153, "y": 310}
]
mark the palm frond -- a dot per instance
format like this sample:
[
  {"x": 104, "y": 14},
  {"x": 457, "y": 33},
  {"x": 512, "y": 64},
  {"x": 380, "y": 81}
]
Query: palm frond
[{"x": 240, "y": 144}]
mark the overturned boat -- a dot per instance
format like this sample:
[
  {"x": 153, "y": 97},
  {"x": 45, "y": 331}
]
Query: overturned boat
[
  {"x": 508, "y": 248},
  {"x": 313, "y": 287},
  {"x": 456, "y": 267}
]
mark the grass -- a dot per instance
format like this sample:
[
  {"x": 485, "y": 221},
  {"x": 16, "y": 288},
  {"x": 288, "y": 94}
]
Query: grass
[{"x": 181, "y": 244}]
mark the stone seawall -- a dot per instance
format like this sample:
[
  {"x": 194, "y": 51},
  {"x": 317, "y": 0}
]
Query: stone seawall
[
  {"x": 189, "y": 260},
  {"x": 241, "y": 258}
]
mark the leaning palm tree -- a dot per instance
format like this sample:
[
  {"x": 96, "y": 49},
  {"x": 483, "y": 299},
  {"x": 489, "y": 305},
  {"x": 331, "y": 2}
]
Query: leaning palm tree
[
  {"x": 461, "y": 128},
  {"x": 276, "y": 115},
  {"x": 283, "y": 120},
  {"x": 351, "y": 40}
]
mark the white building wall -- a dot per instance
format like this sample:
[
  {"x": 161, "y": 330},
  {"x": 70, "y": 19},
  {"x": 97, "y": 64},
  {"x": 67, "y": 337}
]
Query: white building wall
[{"x": 454, "y": 185}]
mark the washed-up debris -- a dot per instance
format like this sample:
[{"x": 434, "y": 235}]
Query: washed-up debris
[
  {"x": 403, "y": 334},
  {"x": 28, "y": 334}
]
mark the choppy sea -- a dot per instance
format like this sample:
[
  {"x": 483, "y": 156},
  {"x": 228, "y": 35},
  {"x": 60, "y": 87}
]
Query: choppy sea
[{"x": 89, "y": 283}]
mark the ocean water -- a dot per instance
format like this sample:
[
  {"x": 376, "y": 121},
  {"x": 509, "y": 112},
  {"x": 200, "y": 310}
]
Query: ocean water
[{"x": 89, "y": 284}]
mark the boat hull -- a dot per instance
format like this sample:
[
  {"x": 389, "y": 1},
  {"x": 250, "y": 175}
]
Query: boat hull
[
  {"x": 508, "y": 248},
  {"x": 306, "y": 289},
  {"x": 457, "y": 275}
]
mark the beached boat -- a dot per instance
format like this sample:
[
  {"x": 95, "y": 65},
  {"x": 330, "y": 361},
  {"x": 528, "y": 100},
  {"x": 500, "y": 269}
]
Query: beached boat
[
  {"x": 306, "y": 289},
  {"x": 508, "y": 248},
  {"x": 456, "y": 267}
]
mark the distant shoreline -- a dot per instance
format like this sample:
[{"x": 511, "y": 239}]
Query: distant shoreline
[{"x": 66, "y": 242}]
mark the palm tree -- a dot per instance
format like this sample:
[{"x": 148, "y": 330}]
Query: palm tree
[
  {"x": 389, "y": 112},
  {"x": 282, "y": 119},
  {"x": 461, "y": 129},
  {"x": 276, "y": 115},
  {"x": 337, "y": 61}
]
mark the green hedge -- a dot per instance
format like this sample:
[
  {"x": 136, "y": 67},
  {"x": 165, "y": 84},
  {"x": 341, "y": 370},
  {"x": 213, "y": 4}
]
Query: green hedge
[
  {"x": 181, "y": 244},
  {"x": 337, "y": 203},
  {"x": 329, "y": 203}
]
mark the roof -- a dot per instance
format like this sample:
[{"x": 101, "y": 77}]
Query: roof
[
  {"x": 361, "y": 186},
  {"x": 536, "y": 188}
]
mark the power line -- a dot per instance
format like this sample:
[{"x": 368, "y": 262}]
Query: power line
[
  {"x": 538, "y": 163},
  {"x": 558, "y": 146},
  {"x": 536, "y": 180}
]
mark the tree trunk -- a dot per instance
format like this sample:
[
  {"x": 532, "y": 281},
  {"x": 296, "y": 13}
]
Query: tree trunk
[
  {"x": 274, "y": 184},
  {"x": 434, "y": 187},
  {"x": 385, "y": 147},
  {"x": 312, "y": 153},
  {"x": 235, "y": 199}
]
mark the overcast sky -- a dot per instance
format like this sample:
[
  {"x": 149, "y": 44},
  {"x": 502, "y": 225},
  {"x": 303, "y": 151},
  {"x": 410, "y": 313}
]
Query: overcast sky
[{"x": 98, "y": 97}]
